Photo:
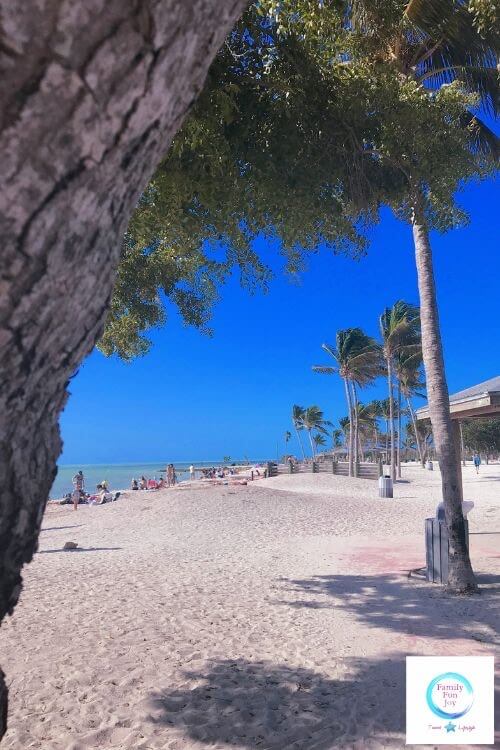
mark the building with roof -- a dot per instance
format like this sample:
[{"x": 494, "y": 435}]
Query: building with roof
[{"x": 478, "y": 401}]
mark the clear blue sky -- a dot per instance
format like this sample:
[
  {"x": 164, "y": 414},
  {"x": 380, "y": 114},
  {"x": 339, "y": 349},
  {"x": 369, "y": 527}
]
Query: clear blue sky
[{"x": 195, "y": 398}]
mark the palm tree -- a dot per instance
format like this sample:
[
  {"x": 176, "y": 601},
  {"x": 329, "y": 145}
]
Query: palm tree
[
  {"x": 345, "y": 426},
  {"x": 399, "y": 327},
  {"x": 313, "y": 419},
  {"x": 433, "y": 43},
  {"x": 408, "y": 369},
  {"x": 297, "y": 417},
  {"x": 288, "y": 435},
  {"x": 336, "y": 436},
  {"x": 319, "y": 440},
  {"x": 366, "y": 422},
  {"x": 358, "y": 362}
]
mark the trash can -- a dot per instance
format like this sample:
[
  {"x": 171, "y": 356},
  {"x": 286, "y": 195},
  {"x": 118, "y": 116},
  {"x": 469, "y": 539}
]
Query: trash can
[
  {"x": 436, "y": 549},
  {"x": 385, "y": 488},
  {"x": 429, "y": 465}
]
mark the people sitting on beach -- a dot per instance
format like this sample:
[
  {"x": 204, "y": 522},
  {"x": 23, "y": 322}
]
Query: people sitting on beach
[
  {"x": 143, "y": 484},
  {"x": 134, "y": 485},
  {"x": 152, "y": 484},
  {"x": 161, "y": 484}
]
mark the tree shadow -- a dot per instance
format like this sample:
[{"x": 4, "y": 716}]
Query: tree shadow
[
  {"x": 276, "y": 706},
  {"x": 404, "y": 605},
  {"x": 60, "y": 528},
  {"x": 78, "y": 549}
]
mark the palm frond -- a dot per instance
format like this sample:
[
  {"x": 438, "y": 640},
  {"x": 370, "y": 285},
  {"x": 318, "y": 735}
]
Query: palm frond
[
  {"x": 452, "y": 48},
  {"x": 325, "y": 369},
  {"x": 483, "y": 139}
]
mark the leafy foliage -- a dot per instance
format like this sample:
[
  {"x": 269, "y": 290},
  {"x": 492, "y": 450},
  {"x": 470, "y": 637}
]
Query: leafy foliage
[
  {"x": 314, "y": 115},
  {"x": 482, "y": 435}
]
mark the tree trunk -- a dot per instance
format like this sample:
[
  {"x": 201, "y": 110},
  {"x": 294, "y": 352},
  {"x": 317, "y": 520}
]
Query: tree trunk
[
  {"x": 312, "y": 444},
  {"x": 351, "y": 432},
  {"x": 462, "y": 449},
  {"x": 300, "y": 442},
  {"x": 391, "y": 418},
  {"x": 417, "y": 439},
  {"x": 399, "y": 430},
  {"x": 92, "y": 94},
  {"x": 461, "y": 577},
  {"x": 356, "y": 432}
]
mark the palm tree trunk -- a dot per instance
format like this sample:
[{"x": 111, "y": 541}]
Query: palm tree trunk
[
  {"x": 399, "y": 430},
  {"x": 300, "y": 442},
  {"x": 417, "y": 439},
  {"x": 351, "y": 432},
  {"x": 309, "y": 432},
  {"x": 462, "y": 448},
  {"x": 461, "y": 576},
  {"x": 391, "y": 418},
  {"x": 356, "y": 435}
]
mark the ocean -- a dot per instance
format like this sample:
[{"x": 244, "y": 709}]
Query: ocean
[{"x": 118, "y": 476}]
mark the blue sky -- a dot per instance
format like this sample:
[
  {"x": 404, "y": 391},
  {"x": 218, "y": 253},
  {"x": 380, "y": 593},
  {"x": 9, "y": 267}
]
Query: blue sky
[{"x": 196, "y": 398}]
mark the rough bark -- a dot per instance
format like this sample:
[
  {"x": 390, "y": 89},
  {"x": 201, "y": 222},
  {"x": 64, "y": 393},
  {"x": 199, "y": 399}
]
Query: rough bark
[
  {"x": 92, "y": 93},
  {"x": 461, "y": 577}
]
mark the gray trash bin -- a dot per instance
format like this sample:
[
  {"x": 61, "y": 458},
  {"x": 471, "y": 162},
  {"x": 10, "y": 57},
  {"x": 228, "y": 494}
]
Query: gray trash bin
[
  {"x": 436, "y": 549},
  {"x": 385, "y": 488}
]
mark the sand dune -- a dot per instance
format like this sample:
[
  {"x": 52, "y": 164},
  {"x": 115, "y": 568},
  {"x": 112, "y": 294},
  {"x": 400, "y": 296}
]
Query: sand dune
[{"x": 276, "y": 615}]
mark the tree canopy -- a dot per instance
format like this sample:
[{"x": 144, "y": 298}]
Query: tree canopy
[
  {"x": 313, "y": 116},
  {"x": 482, "y": 435}
]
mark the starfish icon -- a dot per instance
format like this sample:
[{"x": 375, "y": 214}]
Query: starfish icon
[{"x": 450, "y": 727}]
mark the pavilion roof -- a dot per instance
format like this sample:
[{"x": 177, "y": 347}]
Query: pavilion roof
[{"x": 481, "y": 400}]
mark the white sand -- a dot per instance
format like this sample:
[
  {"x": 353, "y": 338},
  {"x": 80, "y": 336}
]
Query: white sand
[{"x": 276, "y": 615}]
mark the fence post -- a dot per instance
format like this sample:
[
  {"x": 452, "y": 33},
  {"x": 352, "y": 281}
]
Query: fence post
[
  {"x": 380, "y": 466},
  {"x": 334, "y": 467},
  {"x": 290, "y": 467}
]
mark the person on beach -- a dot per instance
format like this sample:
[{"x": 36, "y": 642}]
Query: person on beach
[
  {"x": 477, "y": 461},
  {"x": 78, "y": 486},
  {"x": 143, "y": 484},
  {"x": 134, "y": 485},
  {"x": 191, "y": 471},
  {"x": 171, "y": 476}
]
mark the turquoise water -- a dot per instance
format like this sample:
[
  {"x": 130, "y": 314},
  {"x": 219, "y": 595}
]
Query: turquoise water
[{"x": 118, "y": 476}]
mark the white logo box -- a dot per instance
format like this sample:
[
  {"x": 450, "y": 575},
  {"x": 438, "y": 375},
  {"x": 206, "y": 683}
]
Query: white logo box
[{"x": 450, "y": 700}]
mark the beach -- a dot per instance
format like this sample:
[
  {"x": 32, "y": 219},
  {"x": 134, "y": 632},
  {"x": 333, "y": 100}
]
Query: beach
[{"x": 273, "y": 615}]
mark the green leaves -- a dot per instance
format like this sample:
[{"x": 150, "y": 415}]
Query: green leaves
[{"x": 314, "y": 115}]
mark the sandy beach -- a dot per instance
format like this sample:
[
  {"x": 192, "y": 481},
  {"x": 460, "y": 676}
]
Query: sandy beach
[{"x": 273, "y": 615}]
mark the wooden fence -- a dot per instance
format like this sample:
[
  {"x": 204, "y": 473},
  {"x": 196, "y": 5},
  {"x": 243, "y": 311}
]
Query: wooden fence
[{"x": 364, "y": 470}]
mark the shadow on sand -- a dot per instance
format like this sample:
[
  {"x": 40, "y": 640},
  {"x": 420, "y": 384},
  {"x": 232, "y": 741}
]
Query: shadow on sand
[
  {"x": 404, "y": 606},
  {"x": 78, "y": 549},
  {"x": 275, "y": 706},
  {"x": 61, "y": 528},
  {"x": 271, "y": 706}
]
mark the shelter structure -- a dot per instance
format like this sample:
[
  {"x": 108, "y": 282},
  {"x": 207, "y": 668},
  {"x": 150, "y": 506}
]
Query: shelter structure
[{"x": 478, "y": 401}]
